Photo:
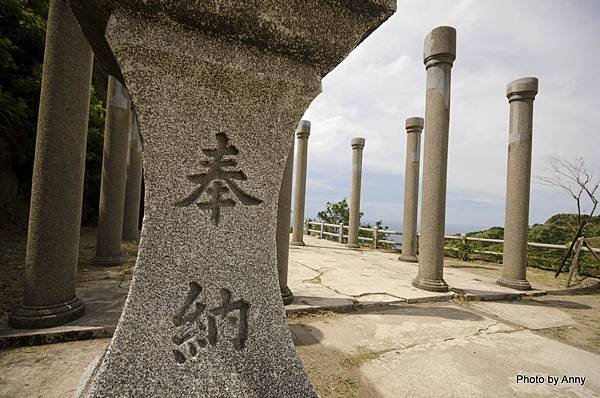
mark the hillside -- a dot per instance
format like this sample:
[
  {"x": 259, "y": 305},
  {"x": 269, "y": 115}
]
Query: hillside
[{"x": 558, "y": 229}]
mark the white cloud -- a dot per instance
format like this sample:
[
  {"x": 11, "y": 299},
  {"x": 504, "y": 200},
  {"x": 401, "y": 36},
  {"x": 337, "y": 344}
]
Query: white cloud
[{"x": 383, "y": 82}]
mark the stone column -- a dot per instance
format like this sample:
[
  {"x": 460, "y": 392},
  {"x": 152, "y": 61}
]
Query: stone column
[
  {"x": 520, "y": 94},
  {"x": 114, "y": 173},
  {"x": 414, "y": 126},
  {"x": 283, "y": 226},
  {"x": 49, "y": 297},
  {"x": 358, "y": 145},
  {"x": 217, "y": 88},
  {"x": 133, "y": 187},
  {"x": 439, "y": 54},
  {"x": 302, "y": 132}
]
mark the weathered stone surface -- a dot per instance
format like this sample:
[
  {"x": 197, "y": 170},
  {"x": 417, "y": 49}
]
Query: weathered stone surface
[
  {"x": 521, "y": 94},
  {"x": 302, "y": 132},
  {"x": 358, "y": 144},
  {"x": 114, "y": 175},
  {"x": 283, "y": 227},
  {"x": 301, "y": 30},
  {"x": 438, "y": 55},
  {"x": 133, "y": 187},
  {"x": 204, "y": 315},
  {"x": 57, "y": 186},
  {"x": 414, "y": 127}
]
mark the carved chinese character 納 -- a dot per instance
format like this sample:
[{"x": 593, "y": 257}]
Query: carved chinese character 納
[{"x": 196, "y": 327}]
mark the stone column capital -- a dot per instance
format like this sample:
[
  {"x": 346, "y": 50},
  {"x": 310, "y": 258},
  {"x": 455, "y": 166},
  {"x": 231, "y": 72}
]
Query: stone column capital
[
  {"x": 303, "y": 129},
  {"x": 440, "y": 46},
  {"x": 358, "y": 143},
  {"x": 522, "y": 89},
  {"x": 414, "y": 125}
]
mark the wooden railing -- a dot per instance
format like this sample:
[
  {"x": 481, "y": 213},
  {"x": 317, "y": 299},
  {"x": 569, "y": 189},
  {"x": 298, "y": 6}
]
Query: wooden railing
[
  {"x": 466, "y": 239},
  {"x": 341, "y": 236}
]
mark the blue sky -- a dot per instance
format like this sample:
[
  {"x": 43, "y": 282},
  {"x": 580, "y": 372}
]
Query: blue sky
[{"x": 382, "y": 82}]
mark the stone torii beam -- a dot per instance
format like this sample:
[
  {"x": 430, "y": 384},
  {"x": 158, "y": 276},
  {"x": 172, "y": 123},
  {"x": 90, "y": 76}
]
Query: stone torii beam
[{"x": 218, "y": 88}]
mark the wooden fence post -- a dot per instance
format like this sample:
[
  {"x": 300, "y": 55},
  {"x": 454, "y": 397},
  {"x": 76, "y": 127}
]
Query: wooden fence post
[{"x": 375, "y": 237}]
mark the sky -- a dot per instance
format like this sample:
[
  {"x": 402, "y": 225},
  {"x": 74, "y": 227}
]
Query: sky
[{"x": 382, "y": 82}]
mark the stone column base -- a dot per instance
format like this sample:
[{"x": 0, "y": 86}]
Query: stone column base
[
  {"x": 37, "y": 317},
  {"x": 408, "y": 259},
  {"x": 297, "y": 243},
  {"x": 352, "y": 245},
  {"x": 431, "y": 285},
  {"x": 113, "y": 260},
  {"x": 517, "y": 284},
  {"x": 286, "y": 295}
]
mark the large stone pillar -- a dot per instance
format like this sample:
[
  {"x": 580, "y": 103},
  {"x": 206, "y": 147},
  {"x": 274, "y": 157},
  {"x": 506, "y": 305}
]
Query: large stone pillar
[
  {"x": 283, "y": 226},
  {"x": 358, "y": 145},
  {"x": 414, "y": 126},
  {"x": 217, "y": 88},
  {"x": 114, "y": 174},
  {"x": 520, "y": 94},
  {"x": 439, "y": 54},
  {"x": 302, "y": 132},
  {"x": 133, "y": 187},
  {"x": 49, "y": 298}
]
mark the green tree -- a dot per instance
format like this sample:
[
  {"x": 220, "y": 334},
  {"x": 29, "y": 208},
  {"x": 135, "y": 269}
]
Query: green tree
[
  {"x": 337, "y": 213},
  {"x": 22, "y": 35},
  {"x": 22, "y": 39}
]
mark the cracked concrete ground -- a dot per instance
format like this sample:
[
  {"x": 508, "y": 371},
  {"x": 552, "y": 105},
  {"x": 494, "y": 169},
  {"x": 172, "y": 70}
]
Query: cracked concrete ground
[
  {"x": 379, "y": 342},
  {"x": 322, "y": 275},
  {"x": 441, "y": 349},
  {"x": 420, "y": 350}
]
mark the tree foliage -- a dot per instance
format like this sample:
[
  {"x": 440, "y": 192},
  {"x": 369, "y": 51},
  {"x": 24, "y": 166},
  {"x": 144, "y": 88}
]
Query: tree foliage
[
  {"x": 22, "y": 34},
  {"x": 22, "y": 39},
  {"x": 337, "y": 213}
]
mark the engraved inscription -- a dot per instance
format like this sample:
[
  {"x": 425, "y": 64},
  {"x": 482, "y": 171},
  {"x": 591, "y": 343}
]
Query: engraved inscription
[
  {"x": 198, "y": 328},
  {"x": 218, "y": 180}
]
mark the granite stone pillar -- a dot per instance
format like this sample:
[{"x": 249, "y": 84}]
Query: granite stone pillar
[
  {"x": 414, "y": 126},
  {"x": 133, "y": 187},
  {"x": 439, "y": 54},
  {"x": 114, "y": 174},
  {"x": 302, "y": 132},
  {"x": 49, "y": 297},
  {"x": 358, "y": 145},
  {"x": 217, "y": 87},
  {"x": 520, "y": 94},
  {"x": 283, "y": 226}
]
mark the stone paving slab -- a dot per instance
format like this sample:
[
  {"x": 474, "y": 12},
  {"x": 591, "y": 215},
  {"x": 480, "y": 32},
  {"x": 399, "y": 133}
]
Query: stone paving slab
[
  {"x": 399, "y": 328},
  {"x": 323, "y": 275},
  {"x": 103, "y": 298},
  {"x": 418, "y": 350},
  {"x": 529, "y": 314},
  {"x": 483, "y": 365},
  {"x": 369, "y": 277}
]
